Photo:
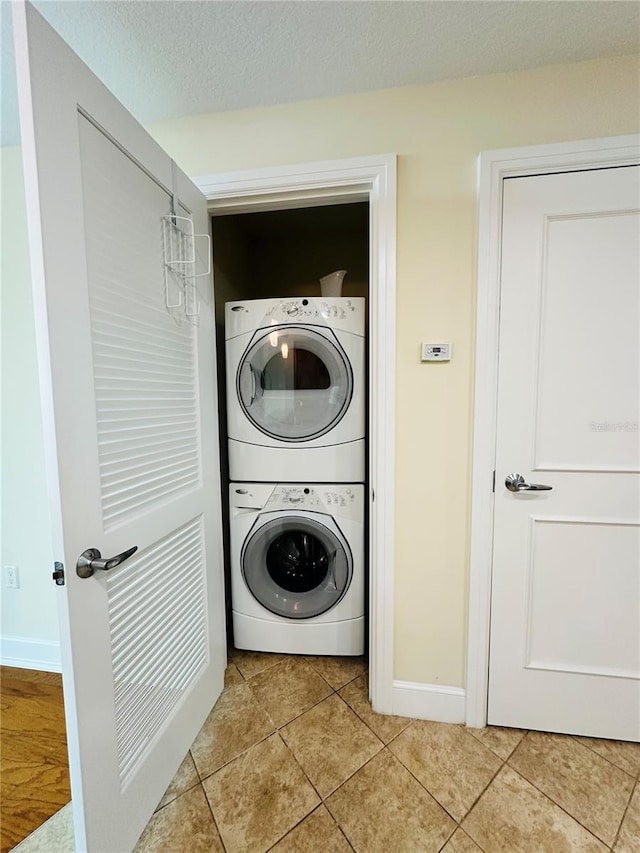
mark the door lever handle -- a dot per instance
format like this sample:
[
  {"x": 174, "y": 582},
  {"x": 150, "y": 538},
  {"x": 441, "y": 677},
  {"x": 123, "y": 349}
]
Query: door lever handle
[
  {"x": 91, "y": 560},
  {"x": 517, "y": 483}
]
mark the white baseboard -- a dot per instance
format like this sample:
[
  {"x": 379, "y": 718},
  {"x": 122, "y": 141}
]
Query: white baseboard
[
  {"x": 429, "y": 701},
  {"x": 21, "y": 652}
]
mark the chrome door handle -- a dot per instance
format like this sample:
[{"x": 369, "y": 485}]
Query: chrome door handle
[
  {"x": 91, "y": 560},
  {"x": 517, "y": 483}
]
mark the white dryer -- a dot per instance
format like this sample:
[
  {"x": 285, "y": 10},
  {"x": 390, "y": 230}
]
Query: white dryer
[
  {"x": 297, "y": 568},
  {"x": 296, "y": 389}
]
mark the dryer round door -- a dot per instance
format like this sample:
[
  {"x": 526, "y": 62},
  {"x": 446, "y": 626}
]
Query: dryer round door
[
  {"x": 296, "y": 567},
  {"x": 294, "y": 383}
]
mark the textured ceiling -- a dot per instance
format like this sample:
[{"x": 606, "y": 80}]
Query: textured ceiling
[{"x": 182, "y": 57}]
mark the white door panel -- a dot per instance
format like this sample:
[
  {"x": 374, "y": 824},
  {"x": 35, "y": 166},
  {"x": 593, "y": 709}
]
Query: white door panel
[
  {"x": 129, "y": 407},
  {"x": 565, "y": 615},
  {"x": 586, "y": 335}
]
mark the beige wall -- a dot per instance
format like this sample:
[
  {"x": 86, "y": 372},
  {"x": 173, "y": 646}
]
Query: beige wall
[{"x": 437, "y": 132}]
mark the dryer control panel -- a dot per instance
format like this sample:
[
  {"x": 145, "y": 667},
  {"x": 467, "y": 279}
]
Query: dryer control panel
[
  {"x": 313, "y": 308},
  {"x": 340, "y": 312}
]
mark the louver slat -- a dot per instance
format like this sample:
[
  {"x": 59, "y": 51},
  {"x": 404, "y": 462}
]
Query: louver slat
[
  {"x": 121, "y": 443},
  {"x": 138, "y": 619},
  {"x": 162, "y": 707},
  {"x": 135, "y": 728},
  {"x": 157, "y": 621},
  {"x": 114, "y": 324},
  {"x": 152, "y": 455},
  {"x": 122, "y": 505},
  {"x": 144, "y": 362},
  {"x": 161, "y": 464}
]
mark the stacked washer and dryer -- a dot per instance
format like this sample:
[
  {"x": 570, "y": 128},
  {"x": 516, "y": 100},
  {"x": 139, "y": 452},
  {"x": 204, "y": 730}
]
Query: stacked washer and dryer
[{"x": 296, "y": 392}]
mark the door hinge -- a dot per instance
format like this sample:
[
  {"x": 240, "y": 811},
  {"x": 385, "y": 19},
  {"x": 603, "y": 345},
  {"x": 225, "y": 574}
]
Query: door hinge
[
  {"x": 493, "y": 487},
  {"x": 58, "y": 574}
]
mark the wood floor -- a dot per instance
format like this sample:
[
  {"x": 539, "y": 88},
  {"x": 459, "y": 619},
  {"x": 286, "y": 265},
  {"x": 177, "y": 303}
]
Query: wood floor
[{"x": 34, "y": 764}]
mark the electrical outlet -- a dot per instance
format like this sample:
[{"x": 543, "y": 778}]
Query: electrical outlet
[{"x": 11, "y": 577}]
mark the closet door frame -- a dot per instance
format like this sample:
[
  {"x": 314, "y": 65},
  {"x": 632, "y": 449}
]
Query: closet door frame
[{"x": 371, "y": 179}]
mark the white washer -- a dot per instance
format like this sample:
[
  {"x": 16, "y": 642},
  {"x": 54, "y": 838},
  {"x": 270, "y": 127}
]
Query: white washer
[
  {"x": 297, "y": 568},
  {"x": 296, "y": 389}
]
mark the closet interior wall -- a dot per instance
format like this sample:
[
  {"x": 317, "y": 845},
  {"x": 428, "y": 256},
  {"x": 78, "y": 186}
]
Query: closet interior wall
[{"x": 280, "y": 253}]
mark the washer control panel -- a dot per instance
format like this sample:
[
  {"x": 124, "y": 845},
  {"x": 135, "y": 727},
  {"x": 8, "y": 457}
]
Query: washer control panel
[
  {"x": 340, "y": 500},
  {"x": 331, "y": 499}
]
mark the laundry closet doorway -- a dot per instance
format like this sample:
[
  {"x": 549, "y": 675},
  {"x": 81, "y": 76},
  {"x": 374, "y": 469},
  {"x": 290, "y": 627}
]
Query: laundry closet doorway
[{"x": 357, "y": 184}]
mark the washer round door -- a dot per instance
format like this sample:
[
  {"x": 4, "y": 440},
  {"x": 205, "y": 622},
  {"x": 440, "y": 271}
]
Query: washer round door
[
  {"x": 294, "y": 383},
  {"x": 296, "y": 566}
]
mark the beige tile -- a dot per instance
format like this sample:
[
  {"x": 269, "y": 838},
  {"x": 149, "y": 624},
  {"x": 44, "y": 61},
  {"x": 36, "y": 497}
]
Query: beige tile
[
  {"x": 623, "y": 754},
  {"x": 585, "y": 785},
  {"x": 288, "y": 689},
  {"x": 499, "y": 740},
  {"x": 513, "y": 816},
  {"x": 55, "y": 834},
  {"x": 232, "y": 676},
  {"x": 236, "y": 723},
  {"x": 317, "y": 832},
  {"x": 259, "y": 797},
  {"x": 383, "y": 808},
  {"x": 452, "y": 765},
  {"x": 185, "y": 778},
  {"x": 460, "y": 842},
  {"x": 330, "y": 743},
  {"x": 338, "y": 671},
  {"x": 629, "y": 838},
  {"x": 386, "y": 726},
  {"x": 185, "y": 824},
  {"x": 251, "y": 663}
]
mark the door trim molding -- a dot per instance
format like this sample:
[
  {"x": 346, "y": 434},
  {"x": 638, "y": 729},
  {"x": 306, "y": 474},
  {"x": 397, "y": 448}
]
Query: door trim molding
[
  {"x": 493, "y": 168},
  {"x": 370, "y": 179}
]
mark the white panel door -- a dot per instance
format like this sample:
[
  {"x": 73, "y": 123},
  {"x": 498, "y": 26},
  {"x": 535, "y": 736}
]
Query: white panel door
[
  {"x": 129, "y": 406},
  {"x": 565, "y": 613}
]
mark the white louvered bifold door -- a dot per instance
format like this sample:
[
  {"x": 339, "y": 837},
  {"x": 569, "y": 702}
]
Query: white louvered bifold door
[{"x": 129, "y": 401}]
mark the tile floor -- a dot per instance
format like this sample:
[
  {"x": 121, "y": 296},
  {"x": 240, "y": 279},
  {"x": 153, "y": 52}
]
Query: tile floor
[{"x": 292, "y": 759}]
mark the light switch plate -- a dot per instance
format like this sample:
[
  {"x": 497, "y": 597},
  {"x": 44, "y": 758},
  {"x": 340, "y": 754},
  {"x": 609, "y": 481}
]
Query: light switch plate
[{"x": 436, "y": 352}]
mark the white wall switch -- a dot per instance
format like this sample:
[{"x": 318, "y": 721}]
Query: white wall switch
[
  {"x": 436, "y": 352},
  {"x": 11, "y": 577}
]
